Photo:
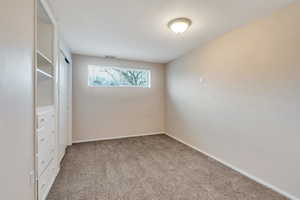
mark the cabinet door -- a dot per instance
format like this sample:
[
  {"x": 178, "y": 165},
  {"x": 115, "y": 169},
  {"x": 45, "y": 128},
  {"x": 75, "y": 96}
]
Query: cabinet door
[{"x": 63, "y": 105}]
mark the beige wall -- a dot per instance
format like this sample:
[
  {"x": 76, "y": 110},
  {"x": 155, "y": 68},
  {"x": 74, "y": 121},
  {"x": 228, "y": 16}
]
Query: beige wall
[
  {"x": 16, "y": 99},
  {"x": 100, "y": 112},
  {"x": 246, "y": 110}
]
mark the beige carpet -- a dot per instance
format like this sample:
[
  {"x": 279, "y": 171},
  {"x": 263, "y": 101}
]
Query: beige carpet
[{"x": 149, "y": 168}]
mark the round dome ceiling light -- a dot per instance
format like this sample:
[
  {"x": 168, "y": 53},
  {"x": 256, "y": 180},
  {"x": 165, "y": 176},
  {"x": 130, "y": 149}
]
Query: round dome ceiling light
[{"x": 179, "y": 25}]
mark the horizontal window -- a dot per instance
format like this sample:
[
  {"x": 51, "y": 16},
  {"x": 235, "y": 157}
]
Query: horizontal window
[{"x": 118, "y": 77}]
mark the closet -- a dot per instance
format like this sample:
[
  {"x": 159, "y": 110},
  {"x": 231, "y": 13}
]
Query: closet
[
  {"x": 46, "y": 137},
  {"x": 64, "y": 96}
]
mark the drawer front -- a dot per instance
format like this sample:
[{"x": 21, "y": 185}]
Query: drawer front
[
  {"x": 42, "y": 164},
  {"x": 42, "y": 187},
  {"x": 52, "y": 139},
  {"x": 44, "y": 158},
  {"x": 50, "y": 121},
  {"x": 46, "y": 141},
  {"x": 45, "y": 181},
  {"x": 41, "y": 120},
  {"x": 46, "y": 121}
]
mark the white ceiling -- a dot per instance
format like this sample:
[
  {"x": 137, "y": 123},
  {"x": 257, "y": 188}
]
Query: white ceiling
[{"x": 137, "y": 29}]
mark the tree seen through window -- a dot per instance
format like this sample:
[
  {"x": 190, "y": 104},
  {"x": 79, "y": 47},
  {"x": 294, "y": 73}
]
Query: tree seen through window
[{"x": 118, "y": 77}]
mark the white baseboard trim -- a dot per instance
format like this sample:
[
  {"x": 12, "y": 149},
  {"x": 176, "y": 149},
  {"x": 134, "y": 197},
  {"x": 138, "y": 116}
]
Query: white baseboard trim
[
  {"x": 254, "y": 178},
  {"x": 118, "y": 137}
]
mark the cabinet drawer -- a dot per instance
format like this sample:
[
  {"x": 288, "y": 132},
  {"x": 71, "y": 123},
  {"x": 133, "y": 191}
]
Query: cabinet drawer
[
  {"x": 44, "y": 158},
  {"x": 45, "y": 181},
  {"x": 41, "y": 120},
  {"x": 45, "y": 141},
  {"x": 52, "y": 139},
  {"x": 46, "y": 120}
]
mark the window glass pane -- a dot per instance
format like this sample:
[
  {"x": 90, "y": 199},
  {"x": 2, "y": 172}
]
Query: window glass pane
[{"x": 118, "y": 77}]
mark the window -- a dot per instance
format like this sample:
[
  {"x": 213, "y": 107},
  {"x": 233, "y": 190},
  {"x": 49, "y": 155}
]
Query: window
[{"x": 118, "y": 77}]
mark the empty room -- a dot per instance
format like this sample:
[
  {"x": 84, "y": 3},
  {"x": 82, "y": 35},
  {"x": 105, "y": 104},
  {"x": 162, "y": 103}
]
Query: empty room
[{"x": 150, "y": 100}]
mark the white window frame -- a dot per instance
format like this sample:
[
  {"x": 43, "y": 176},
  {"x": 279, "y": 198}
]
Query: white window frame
[{"x": 121, "y": 68}]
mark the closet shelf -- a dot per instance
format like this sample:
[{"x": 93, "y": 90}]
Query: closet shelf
[
  {"x": 42, "y": 75},
  {"x": 42, "y": 59}
]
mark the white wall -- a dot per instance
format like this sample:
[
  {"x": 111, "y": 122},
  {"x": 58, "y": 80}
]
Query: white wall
[
  {"x": 246, "y": 110},
  {"x": 16, "y": 99},
  {"x": 100, "y": 112}
]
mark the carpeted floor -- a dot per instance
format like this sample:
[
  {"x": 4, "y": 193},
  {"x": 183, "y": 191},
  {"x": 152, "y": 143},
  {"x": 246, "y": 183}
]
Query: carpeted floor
[{"x": 149, "y": 168}]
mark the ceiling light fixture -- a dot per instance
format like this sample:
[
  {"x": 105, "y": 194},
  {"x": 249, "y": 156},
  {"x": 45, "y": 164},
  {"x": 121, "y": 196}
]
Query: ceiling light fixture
[{"x": 179, "y": 25}]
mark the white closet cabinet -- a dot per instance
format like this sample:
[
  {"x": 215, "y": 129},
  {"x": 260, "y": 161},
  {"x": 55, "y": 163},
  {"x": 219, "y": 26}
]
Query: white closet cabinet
[
  {"x": 46, "y": 139},
  {"x": 46, "y": 145}
]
